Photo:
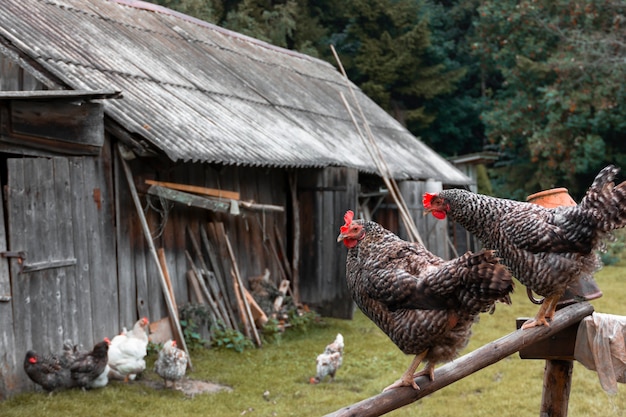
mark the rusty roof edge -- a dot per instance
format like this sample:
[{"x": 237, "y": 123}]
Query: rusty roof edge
[{"x": 139, "y": 4}]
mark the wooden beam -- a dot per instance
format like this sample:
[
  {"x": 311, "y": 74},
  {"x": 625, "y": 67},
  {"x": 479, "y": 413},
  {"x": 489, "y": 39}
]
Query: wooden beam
[
  {"x": 190, "y": 199},
  {"x": 209, "y": 203},
  {"x": 166, "y": 275},
  {"x": 465, "y": 365},
  {"x": 231, "y": 195}
]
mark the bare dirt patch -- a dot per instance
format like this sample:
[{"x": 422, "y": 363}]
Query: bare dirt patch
[{"x": 190, "y": 387}]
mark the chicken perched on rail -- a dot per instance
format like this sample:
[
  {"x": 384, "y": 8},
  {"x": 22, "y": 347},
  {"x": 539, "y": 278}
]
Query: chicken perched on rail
[
  {"x": 51, "y": 372},
  {"x": 545, "y": 248},
  {"x": 88, "y": 367},
  {"x": 171, "y": 363},
  {"x": 128, "y": 351},
  {"x": 328, "y": 362},
  {"x": 424, "y": 304}
]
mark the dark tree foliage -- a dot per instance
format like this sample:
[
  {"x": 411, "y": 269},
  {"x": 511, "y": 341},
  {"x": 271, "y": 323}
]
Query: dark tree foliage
[
  {"x": 457, "y": 128},
  {"x": 560, "y": 113},
  {"x": 385, "y": 48}
]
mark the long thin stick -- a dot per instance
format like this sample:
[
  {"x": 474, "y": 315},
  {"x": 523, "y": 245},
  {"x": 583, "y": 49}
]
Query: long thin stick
[
  {"x": 148, "y": 235},
  {"x": 211, "y": 302},
  {"x": 217, "y": 279},
  {"x": 377, "y": 157},
  {"x": 247, "y": 312},
  {"x": 214, "y": 297}
]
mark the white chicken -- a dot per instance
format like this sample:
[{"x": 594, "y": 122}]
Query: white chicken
[
  {"x": 171, "y": 363},
  {"x": 330, "y": 361},
  {"x": 127, "y": 352}
]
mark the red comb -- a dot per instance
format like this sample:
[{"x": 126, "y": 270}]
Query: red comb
[
  {"x": 427, "y": 199},
  {"x": 348, "y": 219}
]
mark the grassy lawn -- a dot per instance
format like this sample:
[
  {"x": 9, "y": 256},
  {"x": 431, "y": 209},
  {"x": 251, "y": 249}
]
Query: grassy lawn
[{"x": 511, "y": 387}]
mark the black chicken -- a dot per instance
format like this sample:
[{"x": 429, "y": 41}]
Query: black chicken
[
  {"x": 89, "y": 366},
  {"x": 546, "y": 248},
  {"x": 426, "y": 305}
]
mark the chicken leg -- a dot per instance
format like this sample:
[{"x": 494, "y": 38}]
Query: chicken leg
[
  {"x": 408, "y": 378},
  {"x": 545, "y": 313}
]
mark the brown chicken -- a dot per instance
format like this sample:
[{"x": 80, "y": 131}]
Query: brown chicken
[
  {"x": 545, "y": 248},
  {"x": 88, "y": 367},
  {"x": 424, "y": 304}
]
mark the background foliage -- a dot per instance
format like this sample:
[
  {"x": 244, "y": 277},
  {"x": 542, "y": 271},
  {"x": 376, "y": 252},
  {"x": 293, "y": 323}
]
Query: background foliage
[{"x": 540, "y": 81}]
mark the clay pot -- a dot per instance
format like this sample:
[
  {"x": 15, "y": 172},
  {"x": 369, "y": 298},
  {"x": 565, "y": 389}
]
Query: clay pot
[
  {"x": 554, "y": 197},
  {"x": 586, "y": 288}
]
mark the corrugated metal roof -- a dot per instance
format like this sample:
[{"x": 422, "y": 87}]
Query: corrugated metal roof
[{"x": 201, "y": 93}]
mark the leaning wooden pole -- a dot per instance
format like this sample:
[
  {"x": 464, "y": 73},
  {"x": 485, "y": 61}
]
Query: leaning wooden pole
[
  {"x": 465, "y": 365},
  {"x": 377, "y": 156},
  {"x": 148, "y": 235}
]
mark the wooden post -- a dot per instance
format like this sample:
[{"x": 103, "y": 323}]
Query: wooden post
[
  {"x": 465, "y": 365},
  {"x": 557, "y": 383}
]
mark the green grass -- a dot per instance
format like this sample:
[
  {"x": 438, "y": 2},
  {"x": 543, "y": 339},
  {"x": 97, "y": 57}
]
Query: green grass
[{"x": 511, "y": 387}]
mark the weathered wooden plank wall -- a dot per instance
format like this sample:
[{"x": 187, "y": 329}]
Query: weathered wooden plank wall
[
  {"x": 431, "y": 230},
  {"x": 9, "y": 357},
  {"x": 14, "y": 78},
  {"x": 324, "y": 196},
  {"x": 60, "y": 215}
]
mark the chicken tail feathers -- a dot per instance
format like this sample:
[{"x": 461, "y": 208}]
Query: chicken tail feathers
[
  {"x": 606, "y": 201},
  {"x": 487, "y": 282}
]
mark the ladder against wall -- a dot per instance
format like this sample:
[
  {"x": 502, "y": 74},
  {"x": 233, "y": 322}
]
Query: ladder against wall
[{"x": 529, "y": 342}]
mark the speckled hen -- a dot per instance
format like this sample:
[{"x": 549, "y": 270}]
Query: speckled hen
[
  {"x": 545, "y": 248},
  {"x": 424, "y": 304},
  {"x": 171, "y": 363}
]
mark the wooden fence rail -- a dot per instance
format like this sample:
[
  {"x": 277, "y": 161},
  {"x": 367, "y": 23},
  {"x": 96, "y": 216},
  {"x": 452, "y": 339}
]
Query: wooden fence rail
[{"x": 465, "y": 365}]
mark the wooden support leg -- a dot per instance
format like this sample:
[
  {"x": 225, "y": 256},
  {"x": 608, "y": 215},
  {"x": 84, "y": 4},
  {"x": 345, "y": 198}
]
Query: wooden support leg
[{"x": 557, "y": 383}]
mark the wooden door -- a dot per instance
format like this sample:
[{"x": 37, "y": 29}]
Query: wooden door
[
  {"x": 9, "y": 358},
  {"x": 40, "y": 229}
]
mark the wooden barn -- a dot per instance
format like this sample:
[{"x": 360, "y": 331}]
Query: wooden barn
[{"x": 144, "y": 153}]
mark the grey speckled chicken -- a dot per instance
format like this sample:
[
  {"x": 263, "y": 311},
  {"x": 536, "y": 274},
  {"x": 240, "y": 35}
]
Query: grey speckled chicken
[
  {"x": 171, "y": 363},
  {"x": 424, "y": 304},
  {"x": 546, "y": 249},
  {"x": 328, "y": 362},
  {"x": 51, "y": 372}
]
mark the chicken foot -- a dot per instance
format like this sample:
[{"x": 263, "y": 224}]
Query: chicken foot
[
  {"x": 545, "y": 313},
  {"x": 408, "y": 378}
]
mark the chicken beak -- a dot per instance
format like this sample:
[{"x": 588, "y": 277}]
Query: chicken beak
[{"x": 340, "y": 237}]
